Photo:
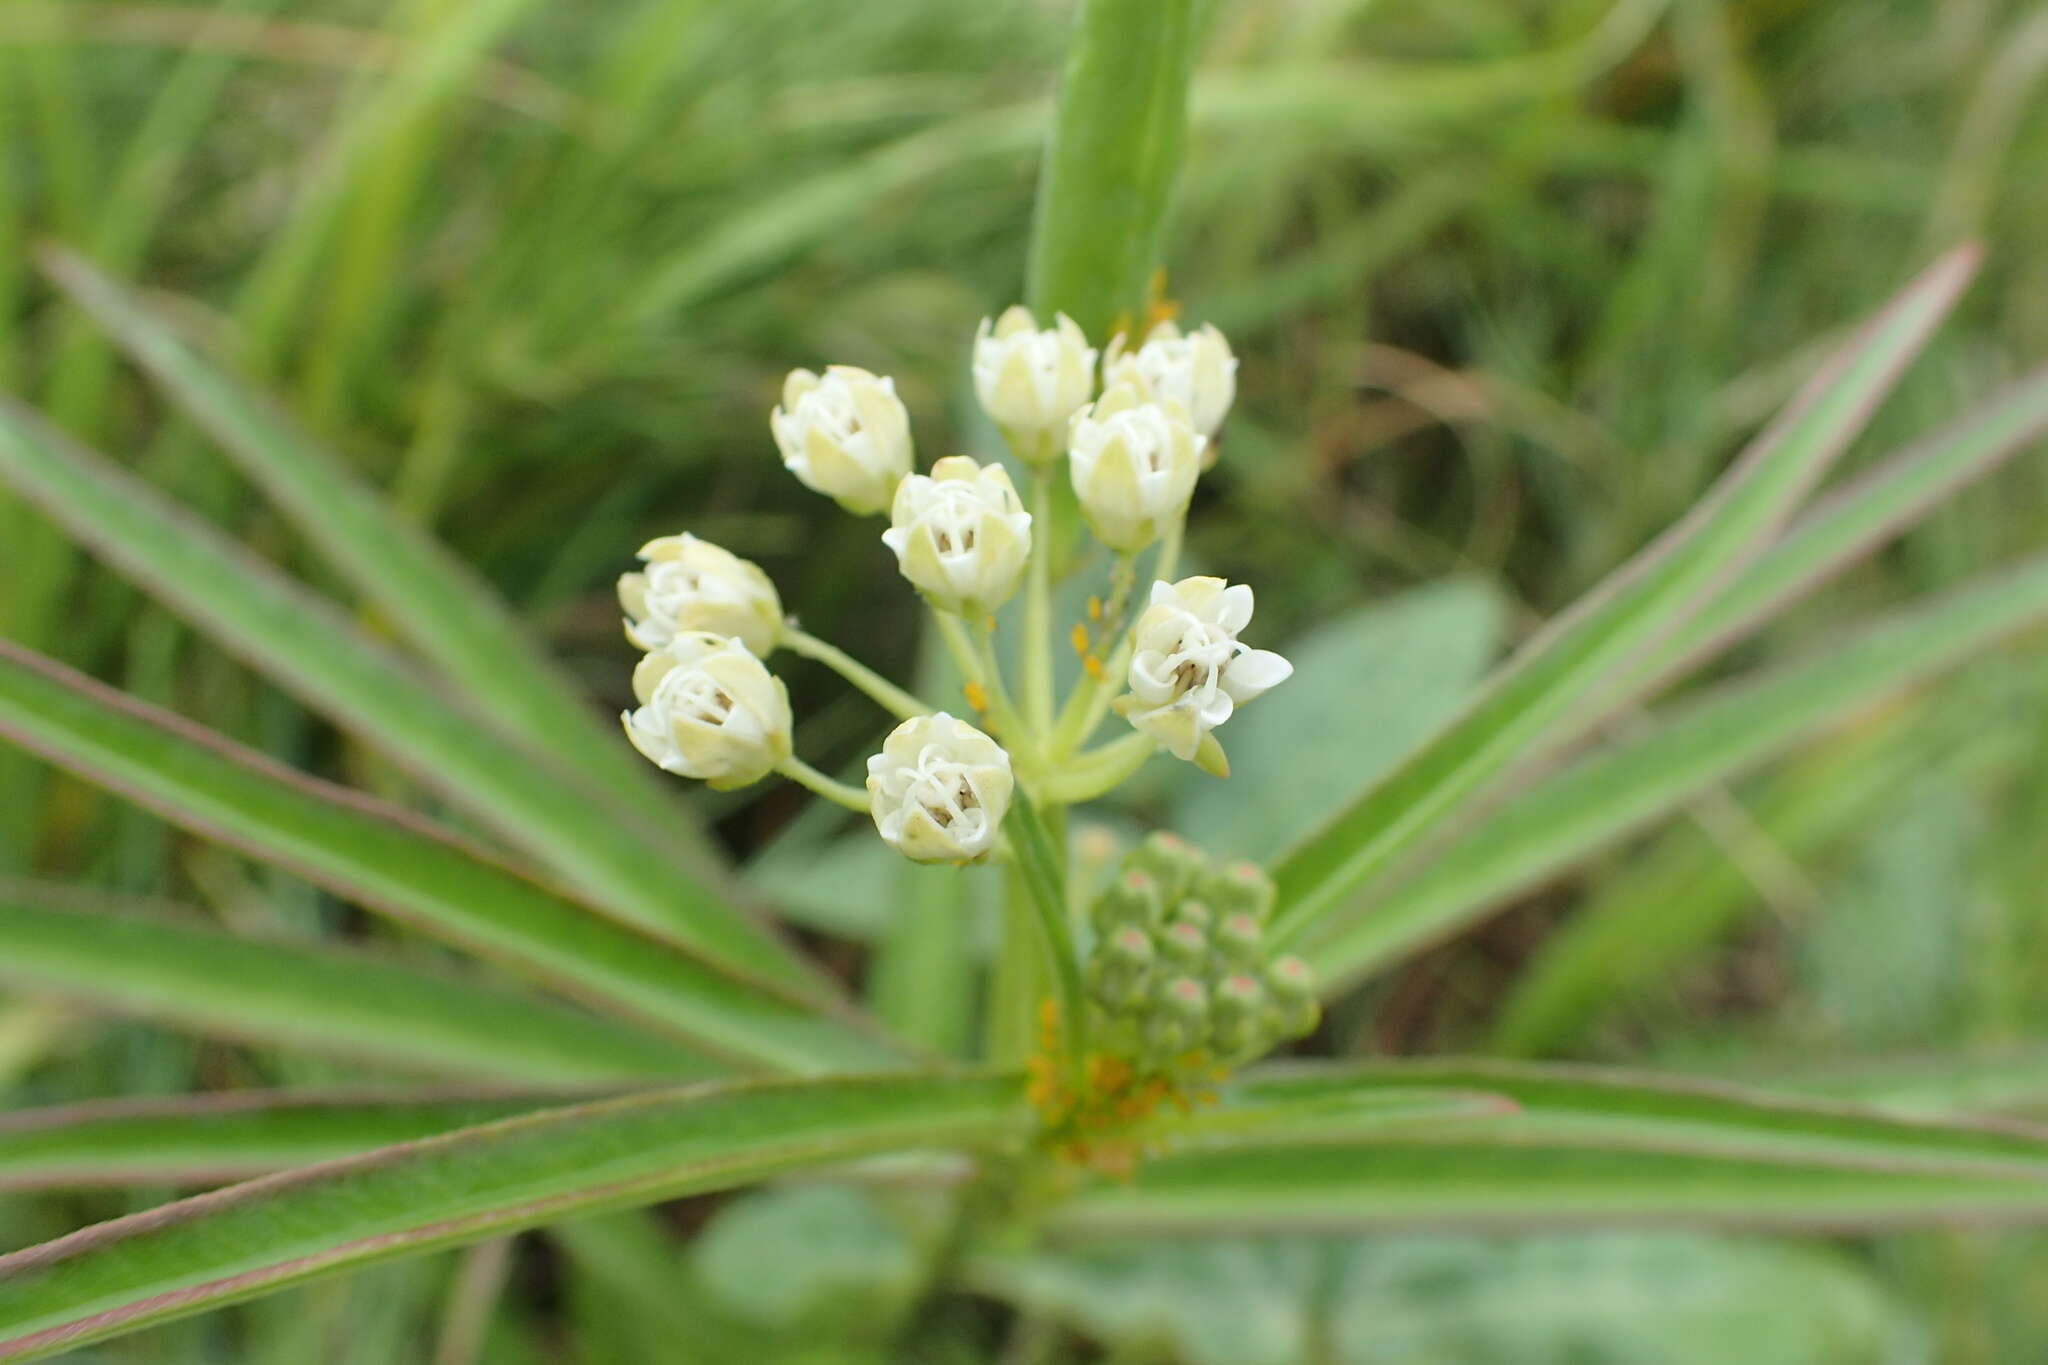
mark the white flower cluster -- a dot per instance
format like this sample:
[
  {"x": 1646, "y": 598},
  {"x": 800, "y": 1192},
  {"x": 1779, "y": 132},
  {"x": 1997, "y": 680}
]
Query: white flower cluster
[{"x": 939, "y": 790}]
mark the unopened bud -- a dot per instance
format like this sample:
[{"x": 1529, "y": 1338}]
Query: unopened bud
[
  {"x": 1180, "y": 1016},
  {"x": 1132, "y": 899},
  {"x": 1196, "y": 913},
  {"x": 1174, "y": 862},
  {"x": 1242, "y": 888},
  {"x": 1292, "y": 987},
  {"x": 1184, "y": 946},
  {"x": 1240, "y": 940},
  {"x": 1121, "y": 969},
  {"x": 1238, "y": 1014}
]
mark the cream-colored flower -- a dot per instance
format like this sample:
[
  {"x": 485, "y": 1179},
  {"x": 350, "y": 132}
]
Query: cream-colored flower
[
  {"x": 1134, "y": 464},
  {"x": 1188, "y": 669},
  {"x": 1196, "y": 370},
  {"x": 939, "y": 789},
  {"x": 960, "y": 535},
  {"x": 710, "y": 710},
  {"x": 844, "y": 433},
  {"x": 693, "y": 585},
  {"x": 1032, "y": 381}
]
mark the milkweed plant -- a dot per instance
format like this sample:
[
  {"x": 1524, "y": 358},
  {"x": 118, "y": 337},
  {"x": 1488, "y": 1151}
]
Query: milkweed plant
[
  {"x": 1176, "y": 982},
  {"x": 634, "y": 1029}
]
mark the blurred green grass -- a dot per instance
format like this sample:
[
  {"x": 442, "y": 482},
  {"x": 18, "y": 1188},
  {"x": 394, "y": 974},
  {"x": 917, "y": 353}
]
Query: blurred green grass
[{"x": 1510, "y": 278}]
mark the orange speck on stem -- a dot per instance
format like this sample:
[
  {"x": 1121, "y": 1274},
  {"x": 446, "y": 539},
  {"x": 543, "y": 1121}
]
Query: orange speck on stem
[
  {"x": 1080, "y": 638},
  {"x": 1092, "y": 666},
  {"x": 976, "y": 694}
]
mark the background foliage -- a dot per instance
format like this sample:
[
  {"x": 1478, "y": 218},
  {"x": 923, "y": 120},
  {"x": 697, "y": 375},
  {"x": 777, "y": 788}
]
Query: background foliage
[{"x": 1510, "y": 280}]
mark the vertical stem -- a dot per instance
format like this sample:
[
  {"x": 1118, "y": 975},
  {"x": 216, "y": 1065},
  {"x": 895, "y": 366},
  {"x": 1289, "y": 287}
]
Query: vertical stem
[
  {"x": 1038, "y": 642},
  {"x": 1102, "y": 197}
]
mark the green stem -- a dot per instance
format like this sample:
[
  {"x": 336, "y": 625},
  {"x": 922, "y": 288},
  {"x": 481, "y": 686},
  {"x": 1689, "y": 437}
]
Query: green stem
[
  {"x": 802, "y": 773},
  {"x": 1044, "y": 877},
  {"x": 886, "y": 694},
  {"x": 1038, "y": 607},
  {"x": 1088, "y": 775}
]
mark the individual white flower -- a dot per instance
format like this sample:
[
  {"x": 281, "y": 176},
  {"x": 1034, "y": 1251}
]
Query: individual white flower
[
  {"x": 960, "y": 535},
  {"x": 693, "y": 585},
  {"x": 1196, "y": 370},
  {"x": 1032, "y": 381},
  {"x": 844, "y": 433},
  {"x": 939, "y": 789},
  {"x": 1134, "y": 463},
  {"x": 710, "y": 710},
  {"x": 1188, "y": 670}
]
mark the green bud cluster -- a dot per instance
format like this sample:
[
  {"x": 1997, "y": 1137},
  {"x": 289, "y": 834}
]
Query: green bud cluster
[{"x": 1180, "y": 966}]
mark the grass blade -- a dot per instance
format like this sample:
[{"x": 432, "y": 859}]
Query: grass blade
[
  {"x": 251, "y": 1239},
  {"x": 304, "y": 643},
  {"x": 385, "y": 858},
  {"x": 212, "y": 1139},
  {"x": 317, "y": 998},
  {"x": 1555, "y": 685},
  {"x": 433, "y": 600},
  {"x": 1617, "y": 791}
]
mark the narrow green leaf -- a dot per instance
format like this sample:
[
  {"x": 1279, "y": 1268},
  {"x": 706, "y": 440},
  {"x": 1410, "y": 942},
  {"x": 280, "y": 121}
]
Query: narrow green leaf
[
  {"x": 313, "y": 997},
  {"x": 1443, "y": 1185},
  {"x": 212, "y": 1139},
  {"x": 1557, "y": 684},
  {"x": 1718, "y": 736},
  {"x": 1109, "y": 170},
  {"x": 251, "y": 1239},
  {"x": 1586, "y": 1147},
  {"x": 1624, "y": 1110},
  {"x": 432, "y": 599},
  {"x": 1678, "y": 897},
  {"x": 395, "y": 862},
  {"x": 1855, "y": 519},
  {"x": 309, "y": 647}
]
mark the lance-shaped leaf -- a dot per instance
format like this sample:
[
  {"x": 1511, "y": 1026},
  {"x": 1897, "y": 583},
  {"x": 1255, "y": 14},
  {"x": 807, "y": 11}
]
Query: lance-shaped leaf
[
  {"x": 1709, "y": 740},
  {"x": 389, "y": 860},
  {"x": 308, "y": 646},
  {"x": 251, "y": 1239},
  {"x": 316, "y": 998},
  {"x": 1109, "y": 170},
  {"x": 432, "y": 599},
  {"x": 1847, "y": 524},
  {"x": 1585, "y": 1147},
  {"x": 1561, "y": 679},
  {"x": 212, "y": 1139}
]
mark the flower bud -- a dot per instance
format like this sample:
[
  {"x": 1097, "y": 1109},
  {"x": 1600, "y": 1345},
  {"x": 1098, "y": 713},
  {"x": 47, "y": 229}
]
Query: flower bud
[
  {"x": 710, "y": 710},
  {"x": 1292, "y": 987},
  {"x": 1180, "y": 1016},
  {"x": 1240, "y": 940},
  {"x": 1031, "y": 382},
  {"x": 1188, "y": 671},
  {"x": 939, "y": 789},
  {"x": 1133, "y": 465},
  {"x": 1185, "y": 946},
  {"x": 1132, "y": 900},
  {"x": 1121, "y": 969},
  {"x": 845, "y": 434},
  {"x": 693, "y": 585},
  {"x": 1242, "y": 888},
  {"x": 1196, "y": 371},
  {"x": 1174, "y": 863},
  {"x": 1196, "y": 913},
  {"x": 1238, "y": 1014},
  {"x": 960, "y": 535}
]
